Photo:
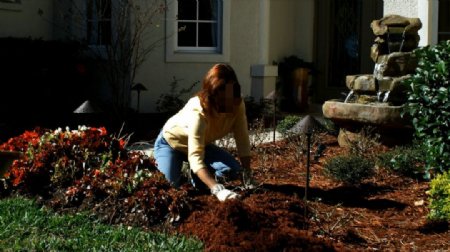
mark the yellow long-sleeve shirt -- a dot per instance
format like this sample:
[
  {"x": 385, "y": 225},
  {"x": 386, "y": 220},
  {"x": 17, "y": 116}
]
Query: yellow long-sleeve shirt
[{"x": 190, "y": 130}]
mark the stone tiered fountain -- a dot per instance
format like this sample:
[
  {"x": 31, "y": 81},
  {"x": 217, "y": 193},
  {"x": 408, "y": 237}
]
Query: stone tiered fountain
[{"x": 377, "y": 99}]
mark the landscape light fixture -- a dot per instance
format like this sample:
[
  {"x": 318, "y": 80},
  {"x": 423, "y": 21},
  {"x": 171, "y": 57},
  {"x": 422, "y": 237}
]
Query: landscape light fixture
[
  {"x": 306, "y": 126},
  {"x": 138, "y": 87},
  {"x": 87, "y": 107}
]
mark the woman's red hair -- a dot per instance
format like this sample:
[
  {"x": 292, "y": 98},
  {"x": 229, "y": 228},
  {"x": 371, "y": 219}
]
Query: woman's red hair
[{"x": 215, "y": 78}]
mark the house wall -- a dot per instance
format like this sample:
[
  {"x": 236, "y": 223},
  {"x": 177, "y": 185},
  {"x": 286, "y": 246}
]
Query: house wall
[
  {"x": 23, "y": 20},
  {"x": 291, "y": 29},
  {"x": 287, "y": 25},
  {"x": 426, "y": 10},
  {"x": 157, "y": 74}
]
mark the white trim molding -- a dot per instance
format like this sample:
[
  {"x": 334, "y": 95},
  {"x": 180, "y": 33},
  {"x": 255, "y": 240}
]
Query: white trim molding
[{"x": 428, "y": 13}]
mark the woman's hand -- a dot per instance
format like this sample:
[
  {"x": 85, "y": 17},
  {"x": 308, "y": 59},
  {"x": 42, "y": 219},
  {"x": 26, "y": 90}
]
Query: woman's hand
[
  {"x": 222, "y": 193},
  {"x": 247, "y": 178}
]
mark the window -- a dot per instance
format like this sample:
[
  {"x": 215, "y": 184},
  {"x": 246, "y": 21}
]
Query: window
[
  {"x": 198, "y": 30},
  {"x": 11, "y": 5},
  {"x": 98, "y": 22},
  {"x": 198, "y": 25},
  {"x": 444, "y": 20},
  {"x": 10, "y": 1}
]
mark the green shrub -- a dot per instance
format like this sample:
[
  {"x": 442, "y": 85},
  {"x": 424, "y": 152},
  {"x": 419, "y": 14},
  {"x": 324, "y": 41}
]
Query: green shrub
[
  {"x": 429, "y": 104},
  {"x": 174, "y": 100},
  {"x": 287, "y": 123},
  {"x": 404, "y": 160},
  {"x": 350, "y": 169},
  {"x": 440, "y": 197},
  {"x": 256, "y": 110}
]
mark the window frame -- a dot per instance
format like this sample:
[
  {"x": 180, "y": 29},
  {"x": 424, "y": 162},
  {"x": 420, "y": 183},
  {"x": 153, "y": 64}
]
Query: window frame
[
  {"x": 221, "y": 53},
  {"x": 11, "y": 5},
  {"x": 442, "y": 31},
  {"x": 197, "y": 22},
  {"x": 97, "y": 21}
]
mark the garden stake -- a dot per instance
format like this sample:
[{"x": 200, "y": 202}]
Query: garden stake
[
  {"x": 274, "y": 121},
  {"x": 308, "y": 142},
  {"x": 273, "y": 97}
]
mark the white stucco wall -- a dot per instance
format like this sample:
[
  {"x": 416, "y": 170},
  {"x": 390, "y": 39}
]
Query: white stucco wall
[
  {"x": 22, "y": 20},
  {"x": 291, "y": 29},
  {"x": 156, "y": 74},
  {"x": 426, "y": 10},
  {"x": 407, "y": 8}
]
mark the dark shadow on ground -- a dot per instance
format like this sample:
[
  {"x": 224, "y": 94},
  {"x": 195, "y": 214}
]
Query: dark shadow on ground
[
  {"x": 431, "y": 227},
  {"x": 345, "y": 195}
]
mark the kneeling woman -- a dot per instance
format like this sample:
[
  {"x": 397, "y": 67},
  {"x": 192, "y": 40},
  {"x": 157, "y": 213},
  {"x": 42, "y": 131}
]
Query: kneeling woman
[{"x": 216, "y": 110}]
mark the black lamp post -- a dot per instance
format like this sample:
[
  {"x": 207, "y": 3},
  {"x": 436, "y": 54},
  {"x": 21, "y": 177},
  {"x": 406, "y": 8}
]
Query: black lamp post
[
  {"x": 306, "y": 126},
  {"x": 138, "y": 87}
]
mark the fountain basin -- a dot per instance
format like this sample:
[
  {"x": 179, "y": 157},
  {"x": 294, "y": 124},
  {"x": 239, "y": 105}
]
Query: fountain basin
[
  {"x": 385, "y": 119},
  {"x": 375, "y": 114}
]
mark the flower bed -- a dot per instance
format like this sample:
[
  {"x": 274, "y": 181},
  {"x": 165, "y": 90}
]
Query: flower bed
[{"x": 92, "y": 168}]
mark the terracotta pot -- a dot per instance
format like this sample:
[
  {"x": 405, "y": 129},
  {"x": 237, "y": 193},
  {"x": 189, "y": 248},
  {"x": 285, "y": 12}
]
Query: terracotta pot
[{"x": 300, "y": 78}]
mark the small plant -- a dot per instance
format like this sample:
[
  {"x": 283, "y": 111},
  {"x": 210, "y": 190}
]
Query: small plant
[
  {"x": 350, "y": 169},
  {"x": 429, "y": 104},
  {"x": 173, "y": 101},
  {"x": 287, "y": 123},
  {"x": 440, "y": 197},
  {"x": 364, "y": 144},
  {"x": 256, "y": 110},
  {"x": 405, "y": 160},
  {"x": 257, "y": 140},
  {"x": 330, "y": 127}
]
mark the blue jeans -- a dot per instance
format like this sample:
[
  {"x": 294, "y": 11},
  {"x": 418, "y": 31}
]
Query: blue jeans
[{"x": 170, "y": 161}]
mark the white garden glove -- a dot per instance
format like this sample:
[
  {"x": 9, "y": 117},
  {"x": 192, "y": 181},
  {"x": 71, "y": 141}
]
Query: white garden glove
[{"x": 222, "y": 193}]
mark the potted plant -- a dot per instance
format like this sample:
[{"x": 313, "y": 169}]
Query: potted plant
[{"x": 292, "y": 85}]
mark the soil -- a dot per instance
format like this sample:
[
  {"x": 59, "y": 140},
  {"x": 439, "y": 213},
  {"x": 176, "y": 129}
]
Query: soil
[{"x": 384, "y": 212}]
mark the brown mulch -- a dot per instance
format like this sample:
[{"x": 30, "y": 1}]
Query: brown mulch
[{"x": 386, "y": 212}]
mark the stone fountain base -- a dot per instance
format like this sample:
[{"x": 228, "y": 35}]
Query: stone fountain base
[{"x": 386, "y": 121}]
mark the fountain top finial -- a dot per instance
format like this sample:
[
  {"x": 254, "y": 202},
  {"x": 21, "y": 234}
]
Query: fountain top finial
[{"x": 409, "y": 26}]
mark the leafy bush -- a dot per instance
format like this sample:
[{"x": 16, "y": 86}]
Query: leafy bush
[
  {"x": 287, "y": 123},
  {"x": 173, "y": 101},
  {"x": 440, "y": 197},
  {"x": 89, "y": 164},
  {"x": 350, "y": 169},
  {"x": 429, "y": 104},
  {"x": 256, "y": 110},
  {"x": 404, "y": 160}
]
